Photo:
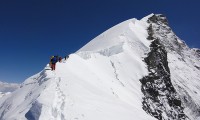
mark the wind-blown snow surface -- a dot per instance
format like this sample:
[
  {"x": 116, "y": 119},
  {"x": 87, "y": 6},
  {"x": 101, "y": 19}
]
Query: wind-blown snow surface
[{"x": 101, "y": 81}]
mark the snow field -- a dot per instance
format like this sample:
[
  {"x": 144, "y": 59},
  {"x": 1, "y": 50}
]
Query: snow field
[{"x": 101, "y": 80}]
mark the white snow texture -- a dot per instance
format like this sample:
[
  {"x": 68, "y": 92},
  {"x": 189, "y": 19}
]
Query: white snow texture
[{"x": 101, "y": 81}]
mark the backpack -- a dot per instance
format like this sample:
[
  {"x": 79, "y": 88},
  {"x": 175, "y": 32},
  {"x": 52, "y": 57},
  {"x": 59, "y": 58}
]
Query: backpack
[{"x": 54, "y": 60}]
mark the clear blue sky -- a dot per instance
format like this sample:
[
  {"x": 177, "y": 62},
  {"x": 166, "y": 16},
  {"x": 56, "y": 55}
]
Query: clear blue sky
[{"x": 33, "y": 30}]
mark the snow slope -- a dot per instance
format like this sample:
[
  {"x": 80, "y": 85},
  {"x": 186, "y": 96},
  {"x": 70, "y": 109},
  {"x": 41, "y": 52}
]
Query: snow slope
[
  {"x": 102, "y": 80},
  {"x": 99, "y": 82}
]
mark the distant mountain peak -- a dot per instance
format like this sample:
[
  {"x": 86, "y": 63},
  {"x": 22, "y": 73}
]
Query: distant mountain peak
[
  {"x": 8, "y": 87},
  {"x": 159, "y": 18}
]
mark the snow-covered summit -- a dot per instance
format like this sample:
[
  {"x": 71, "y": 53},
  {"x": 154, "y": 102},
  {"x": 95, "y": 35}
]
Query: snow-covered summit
[
  {"x": 129, "y": 30},
  {"x": 138, "y": 69}
]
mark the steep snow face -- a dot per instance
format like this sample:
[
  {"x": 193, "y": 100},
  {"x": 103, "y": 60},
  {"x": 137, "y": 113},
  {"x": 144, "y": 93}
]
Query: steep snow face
[
  {"x": 14, "y": 105},
  {"x": 98, "y": 82},
  {"x": 131, "y": 31}
]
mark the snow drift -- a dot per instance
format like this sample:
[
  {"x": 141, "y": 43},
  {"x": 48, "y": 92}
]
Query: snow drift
[{"x": 112, "y": 78}]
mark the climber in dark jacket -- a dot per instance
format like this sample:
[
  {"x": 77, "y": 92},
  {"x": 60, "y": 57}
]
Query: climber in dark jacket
[
  {"x": 53, "y": 63},
  {"x": 66, "y": 57},
  {"x": 60, "y": 59}
]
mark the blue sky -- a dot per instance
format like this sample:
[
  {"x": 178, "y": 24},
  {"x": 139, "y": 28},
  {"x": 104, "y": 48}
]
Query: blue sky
[{"x": 33, "y": 30}]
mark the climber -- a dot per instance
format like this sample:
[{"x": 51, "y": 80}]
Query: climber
[
  {"x": 50, "y": 63},
  {"x": 60, "y": 59},
  {"x": 53, "y": 62},
  {"x": 66, "y": 57}
]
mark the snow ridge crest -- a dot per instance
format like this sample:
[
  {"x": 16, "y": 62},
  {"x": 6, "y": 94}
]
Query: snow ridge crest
[{"x": 137, "y": 69}]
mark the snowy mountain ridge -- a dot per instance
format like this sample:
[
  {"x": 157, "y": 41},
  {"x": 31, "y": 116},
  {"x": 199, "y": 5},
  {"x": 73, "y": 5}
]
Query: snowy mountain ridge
[
  {"x": 184, "y": 64},
  {"x": 138, "y": 69}
]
